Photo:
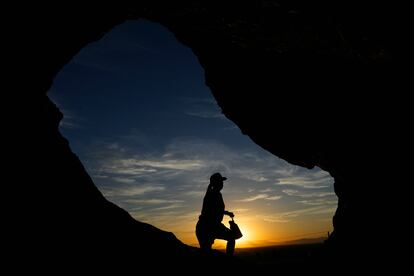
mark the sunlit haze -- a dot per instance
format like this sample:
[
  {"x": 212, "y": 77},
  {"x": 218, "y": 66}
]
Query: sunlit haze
[{"x": 150, "y": 134}]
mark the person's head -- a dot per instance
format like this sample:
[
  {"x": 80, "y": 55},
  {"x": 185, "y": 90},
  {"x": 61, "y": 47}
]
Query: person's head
[{"x": 216, "y": 181}]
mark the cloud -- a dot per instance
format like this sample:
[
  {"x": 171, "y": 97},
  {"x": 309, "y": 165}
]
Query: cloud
[
  {"x": 169, "y": 164},
  {"x": 136, "y": 166},
  {"x": 253, "y": 198},
  {"x": 324, "y": 210},
  {"x": 307, "y": 194},
  {"x": 70, "y": 120},
  {"x": 126, "y": 170},
  {"x": 205, "y": 108},
  {"x": 124, "y": 180},
  {"x": 319, "y": 201},
  {"x": 289, "y": 216},
  {"x": 100, "y": 176},
  {"x": 194, "y": 193},
  {"x": 316, "y": 180},
  {"x": 168, "y": 207},
  {"x": 231, "y": 127},
  {"x": 255, "y": 177},
  {"x": 260, "y": 196},
  {"x": 273, "y": 197},
  {"x": 130, "y": 191},
  {"x": 153, "y": 201},
  {"x": 195, "y": 101},
  {"x": 206, "y": 114}
]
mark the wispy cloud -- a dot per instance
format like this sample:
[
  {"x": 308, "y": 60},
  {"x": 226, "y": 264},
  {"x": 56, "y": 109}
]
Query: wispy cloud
[
  {"x": 153, "y": 201},
  {"x": 205, "y": 108},
  {"x": 273, "y": 197},
  {"x": 206, "y": 114},
  {"x": 124, "y": 180},
  {"x": 169, "y": 164},
  {"x": 168, "y": 207},
  {"x": 253, "y": 198},
  {"x": 194, "y": 100},
  {"x": 319, "y": 202},
  {"x": 307, "y": 194},
  {"x": 288, "y": 216},
  {"x": 137, "y": 165},
  {"x": 259, "y": 196},
  {"x": 255, "y": 177},
  {"x": 130, "y": 191},
  {"x": 312, "y": 181},
  {"x": 70, "y": 119},
  {"x": 194, "y": 193}
]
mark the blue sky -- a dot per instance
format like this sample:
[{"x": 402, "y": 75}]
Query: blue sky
[{"x": 149, "y": 132}]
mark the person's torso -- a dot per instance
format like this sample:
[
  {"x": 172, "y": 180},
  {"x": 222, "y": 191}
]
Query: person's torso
[{"x": 213, "y": 207}]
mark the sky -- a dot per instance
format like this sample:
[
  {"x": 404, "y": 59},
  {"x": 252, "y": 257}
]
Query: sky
[{"x": 149, "y": 132}]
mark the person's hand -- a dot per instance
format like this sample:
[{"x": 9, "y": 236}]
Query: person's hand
[{"x": 230, "y": 214}]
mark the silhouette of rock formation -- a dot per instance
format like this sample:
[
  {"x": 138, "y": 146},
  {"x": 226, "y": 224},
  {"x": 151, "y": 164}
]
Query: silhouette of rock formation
[{"x": 300, "y": 78}]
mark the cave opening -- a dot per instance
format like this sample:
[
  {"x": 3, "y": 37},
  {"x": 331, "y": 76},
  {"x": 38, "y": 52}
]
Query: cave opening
[{"x": 149, "y": 132}]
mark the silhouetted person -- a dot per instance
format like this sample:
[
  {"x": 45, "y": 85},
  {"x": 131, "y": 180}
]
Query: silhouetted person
[{"x": 209, "y": 226}]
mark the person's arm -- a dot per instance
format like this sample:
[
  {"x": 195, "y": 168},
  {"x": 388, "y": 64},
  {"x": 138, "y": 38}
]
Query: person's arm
[{"x": 230, "y": 214}]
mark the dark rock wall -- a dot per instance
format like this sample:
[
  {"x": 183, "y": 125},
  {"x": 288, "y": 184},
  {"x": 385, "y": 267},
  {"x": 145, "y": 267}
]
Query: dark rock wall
[{"x": 300, "y": 78}]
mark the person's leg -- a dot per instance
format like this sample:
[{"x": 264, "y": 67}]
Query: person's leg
[
  {"x": 203, "y": 237},
  {"x": 231, "y": 244},
  {"x": 205, "y": 244},
  {"x": 225, "y": 233}
]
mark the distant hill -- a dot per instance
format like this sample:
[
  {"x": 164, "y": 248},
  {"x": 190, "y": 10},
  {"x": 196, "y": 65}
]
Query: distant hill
[{"x": 305, "y": 241}]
